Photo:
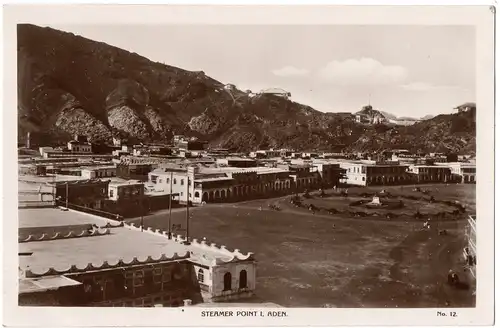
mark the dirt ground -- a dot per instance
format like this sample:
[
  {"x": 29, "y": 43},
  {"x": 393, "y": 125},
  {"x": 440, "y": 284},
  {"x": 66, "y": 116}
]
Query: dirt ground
[{"x": 307, "y": 260}]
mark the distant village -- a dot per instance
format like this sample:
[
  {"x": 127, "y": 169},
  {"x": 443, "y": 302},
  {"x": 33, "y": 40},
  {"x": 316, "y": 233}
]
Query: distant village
[{"x": 74, "y": 197}]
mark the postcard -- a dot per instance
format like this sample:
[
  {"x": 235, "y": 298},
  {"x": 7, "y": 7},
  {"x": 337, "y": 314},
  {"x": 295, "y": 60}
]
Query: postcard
[{"x": 263, "y": 165}]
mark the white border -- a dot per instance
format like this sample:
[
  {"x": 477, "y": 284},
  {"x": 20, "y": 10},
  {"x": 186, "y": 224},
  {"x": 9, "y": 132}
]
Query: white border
[{"x": 479, "y": 16}]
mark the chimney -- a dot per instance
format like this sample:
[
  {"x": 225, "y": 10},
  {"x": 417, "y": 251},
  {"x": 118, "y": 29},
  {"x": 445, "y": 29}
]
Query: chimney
[{"x": 188, "y": 302}]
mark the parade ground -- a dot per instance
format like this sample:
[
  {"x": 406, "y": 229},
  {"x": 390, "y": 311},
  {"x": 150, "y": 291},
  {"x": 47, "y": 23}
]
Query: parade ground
[{"x": 322, "y": 259}]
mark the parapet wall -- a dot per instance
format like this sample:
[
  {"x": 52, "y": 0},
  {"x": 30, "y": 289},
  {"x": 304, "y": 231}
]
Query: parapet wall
[
  {"x": 196, "y": 248},
  {"x": 105, "y": 265}
]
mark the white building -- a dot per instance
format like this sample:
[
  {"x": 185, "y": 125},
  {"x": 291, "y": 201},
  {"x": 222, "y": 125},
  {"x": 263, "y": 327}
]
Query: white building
[
  {"x": 219, "y": 184},
  {"x": 461, "y": 172},
  {"x": 99, "y": 172},
  {"x": 366, "y": 173},
  {"x": 80, "y": 145}
]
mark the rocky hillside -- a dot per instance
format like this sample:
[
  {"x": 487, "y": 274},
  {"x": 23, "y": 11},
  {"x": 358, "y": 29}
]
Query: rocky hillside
[{"x": 68, "y": 84}]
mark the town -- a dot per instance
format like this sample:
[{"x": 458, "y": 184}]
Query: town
[{"x": 134, "y": 224}]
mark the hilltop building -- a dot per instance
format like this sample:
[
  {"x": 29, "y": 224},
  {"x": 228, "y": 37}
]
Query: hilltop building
[
  {"x": 277, "y": 92},
  {"x": 469, "y": 106},
  {"x": 368, "y": 115}
]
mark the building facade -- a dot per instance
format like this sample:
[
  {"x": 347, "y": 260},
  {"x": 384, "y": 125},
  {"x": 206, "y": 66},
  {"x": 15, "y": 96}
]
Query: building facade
[
  {"x": 470, "y": 253},
  {"x": 220, "y": 184},
  {"x": 98, "y": 172},
  {"x": 430, "y": 173},
  {"x": 330, "y": 173},
  {"x": 121, "y": 273},
  {"x": 80, "y": 145},
  {"x": 461, "y": 172},
  {"x": 82, "y": 193},
  {"x": 368, "y": 174}
]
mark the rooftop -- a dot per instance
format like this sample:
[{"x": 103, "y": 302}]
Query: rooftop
[
  {"x": 239, "y": 159},
  {"x": 212, "y": 179},
  {"x": 122, "y": 182},
  {"x": 51, "y": 217},
  {"x": 118, "y": 245},
  {"x": 45, "y": 283},
  {"x": 102, "y": 167}
]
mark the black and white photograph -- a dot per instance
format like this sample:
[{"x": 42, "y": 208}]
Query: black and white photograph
[{"x": 247, "y": 170}]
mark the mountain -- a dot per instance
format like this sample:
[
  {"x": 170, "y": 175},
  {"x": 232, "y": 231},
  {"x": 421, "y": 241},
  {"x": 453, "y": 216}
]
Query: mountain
[{"x": 68, "y": 84}]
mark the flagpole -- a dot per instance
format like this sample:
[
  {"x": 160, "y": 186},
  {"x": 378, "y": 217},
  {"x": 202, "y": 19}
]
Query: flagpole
[{"x": 187, "y": 211}]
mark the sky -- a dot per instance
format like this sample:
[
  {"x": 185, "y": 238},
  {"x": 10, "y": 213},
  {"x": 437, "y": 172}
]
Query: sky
[{"x": 404, "y": 70}]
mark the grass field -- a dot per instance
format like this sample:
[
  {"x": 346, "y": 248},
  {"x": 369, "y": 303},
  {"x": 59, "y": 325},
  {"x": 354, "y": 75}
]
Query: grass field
[{"x": 307, "y": 260}]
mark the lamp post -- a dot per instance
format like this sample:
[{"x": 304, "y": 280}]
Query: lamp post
[
  {"x": 67, "y": 192},
  {"x": 170, "y": 208},
  {"x": 187, "y": 242}
]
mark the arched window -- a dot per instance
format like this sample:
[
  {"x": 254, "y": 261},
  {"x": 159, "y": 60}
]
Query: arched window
[
  {"x": 201, "y": 276},
  {"x": 227, "y": 281},
  {"x": 182, "y": 182},
  {"x": 196, "y": 194},
  {"x": 243, "y": 279},
  {"x": 175, "y": 181}
]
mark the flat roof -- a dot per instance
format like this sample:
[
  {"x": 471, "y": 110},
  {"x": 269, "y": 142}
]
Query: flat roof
[
  {"x": 121, "y": 243},
  {"x": 52, "y": 217},
  {"x": 212, "y": 179},
  {"x": 115, "y": 183},
  {"x": 45, "y": 283},
  {"x": 239, "y": 159},
  {"x": 89, "y": 168}
]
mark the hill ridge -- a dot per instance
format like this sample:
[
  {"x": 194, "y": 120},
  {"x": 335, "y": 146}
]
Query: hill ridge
[{"x": 69, "y": 84}]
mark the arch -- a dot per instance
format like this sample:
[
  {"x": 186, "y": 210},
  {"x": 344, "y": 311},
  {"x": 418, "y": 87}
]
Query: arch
[
  {"x": 216, "y": 194},
  {"x": 205, "y": 197},
  {"x": 223, "y": 193},
  {"x": 196, "y": 194},
  {"x": 243, "y": 279},
  {"x": 227, "y": 281},
  {"x": 201, "y": 275},
  {"x": 211, "y": 195},
  {"x": 247, "y": 190},
  {"x": 229, "y": 193}
]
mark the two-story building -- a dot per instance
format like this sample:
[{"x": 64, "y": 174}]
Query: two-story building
[
  {"x": 430, "y": 173},
  {"x": 367, "y": 173},
  {"x": 304, "y": 176},
  {"x": 80, "y": 145},
  {"x": 330, "y": 173},
  {"x": 219, "y": 184},
  {"x": 81, "y": 193},
  {"x": 461, "y": 172},
  {"x": 136, "y": 171}
]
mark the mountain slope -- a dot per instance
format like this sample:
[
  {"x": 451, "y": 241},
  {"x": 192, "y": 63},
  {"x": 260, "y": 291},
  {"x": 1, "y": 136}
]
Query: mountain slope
[{"x": 68, "y": 84}]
